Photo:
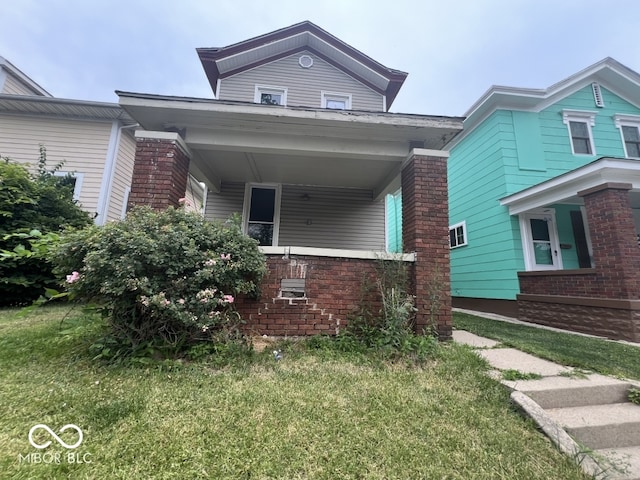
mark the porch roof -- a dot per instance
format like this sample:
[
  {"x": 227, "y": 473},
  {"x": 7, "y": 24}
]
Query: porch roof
[
  {"x": 246, "y": 142},
  {"x": 564, "y": 188}
]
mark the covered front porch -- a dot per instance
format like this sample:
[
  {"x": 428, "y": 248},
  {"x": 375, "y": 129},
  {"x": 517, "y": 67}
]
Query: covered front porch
[
  {"x": 309, "y": 185},
  {"x": 579, "y": 236}
]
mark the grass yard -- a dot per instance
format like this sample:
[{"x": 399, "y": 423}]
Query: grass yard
[
  {"x": 315, "y": 414},
  {"x": 595, "y": 354}
]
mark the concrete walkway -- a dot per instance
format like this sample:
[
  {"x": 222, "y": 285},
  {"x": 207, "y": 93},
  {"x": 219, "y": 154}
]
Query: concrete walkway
[{"x": 588, "y": 416}]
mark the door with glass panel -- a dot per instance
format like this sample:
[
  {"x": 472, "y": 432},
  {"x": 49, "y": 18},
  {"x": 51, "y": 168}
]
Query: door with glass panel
[{"x": 542, "y": 248}]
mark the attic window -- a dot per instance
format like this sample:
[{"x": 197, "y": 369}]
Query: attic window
[
  {"x": 597, "y": 95},
  {"x": 336, "y": 101},
  {"x": 266, "y": 95}
]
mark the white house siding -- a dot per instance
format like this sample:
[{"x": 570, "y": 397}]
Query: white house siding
[
  {"x": 122, "y": 176},
  {"x": 81, "y": 144},
  {"x": 304, "y": 85},
  {"x": 330, "y": 218},
  {"x": 12, "y": 86}
]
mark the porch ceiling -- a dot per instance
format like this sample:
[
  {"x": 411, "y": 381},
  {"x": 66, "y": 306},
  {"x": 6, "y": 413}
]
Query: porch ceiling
[
  {"x": 241, "y": 142},
  {"x": 564, "y": 188}
]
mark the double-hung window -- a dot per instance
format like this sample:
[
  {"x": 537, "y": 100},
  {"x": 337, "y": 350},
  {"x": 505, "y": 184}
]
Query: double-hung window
[
  {"x": 262, "y": 212},
  {"x": 267, "y": 95},
  {"x": 629, "y": 126},
  {"x": 579, "y": 124}
]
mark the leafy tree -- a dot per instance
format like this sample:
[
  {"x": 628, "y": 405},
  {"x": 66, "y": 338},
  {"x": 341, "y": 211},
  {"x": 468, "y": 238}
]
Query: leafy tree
[{"x": 33, "y": 207}]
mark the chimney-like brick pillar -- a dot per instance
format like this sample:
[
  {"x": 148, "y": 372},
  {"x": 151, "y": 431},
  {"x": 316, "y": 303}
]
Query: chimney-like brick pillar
[
  {"x": 616, "y": 255},
  {"x": 425, "y": 231},
  {"x": 160, "y": 170}
]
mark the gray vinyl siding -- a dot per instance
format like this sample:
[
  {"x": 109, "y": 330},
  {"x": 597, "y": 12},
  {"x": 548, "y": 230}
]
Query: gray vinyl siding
[
  {"x": 340, "y": 218},
  {"x": 331, "y": 217},
  {"x": 221, "y": 205},
  {"x": 304, "y": 85},
  {"x": 122, "y": 177},
  {"x": 12, "y": 86}
]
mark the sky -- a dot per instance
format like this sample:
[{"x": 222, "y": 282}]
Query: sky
[{"x": 453, "y": 50}]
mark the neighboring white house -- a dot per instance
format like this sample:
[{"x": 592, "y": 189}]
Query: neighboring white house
[{"x": 94, "y": 139}]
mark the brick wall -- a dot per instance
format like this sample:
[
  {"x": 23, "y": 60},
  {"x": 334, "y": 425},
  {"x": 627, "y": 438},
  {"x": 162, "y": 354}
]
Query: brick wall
[
  {"x": 160, "y": 173},
  {"x": 425, "y": 231},
  {"x": 333, "y": 293},
  {"x": 604, "y": 300}
]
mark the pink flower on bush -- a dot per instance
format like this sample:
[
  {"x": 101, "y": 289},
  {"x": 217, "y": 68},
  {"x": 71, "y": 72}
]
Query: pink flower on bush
[
  {"x": 210, "y": 263},
  {"x": 181, "y": 301},
  {"x": 74, "y": 277},
  {"x": 228, "y": 298},
  {"x": 225, "y": 257}
]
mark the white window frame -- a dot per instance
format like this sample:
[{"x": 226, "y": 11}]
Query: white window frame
[
  {"x": 270, "y": 89},
  {"x": 77, "y": 188},
  {"x": 335, "y": 96},
  {"x": 276, "y": 212},
  {"x": 454, "y": 227},
  {"x": 548, "y": 214},
  {"x": 580, "y": 116},
  {"x": 626, "y": 121}
]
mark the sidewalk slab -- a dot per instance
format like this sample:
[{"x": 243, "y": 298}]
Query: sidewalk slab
[
  {"x": 467, "y": 338},
  {"x": 512, "y": 359}
]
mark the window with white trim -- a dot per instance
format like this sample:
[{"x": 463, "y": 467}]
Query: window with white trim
[
  {"x": 262, "y": 213},
  {"x": 579, "y": 124},
  {"x": 629, "y": 126},
  {"x": 458, "y": 235},
  {"x": 71, "y": 178},
  {"x": 267, "y": 95},
  {"x": 336, "y": 101}
]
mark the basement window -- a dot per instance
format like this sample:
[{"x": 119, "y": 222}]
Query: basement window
[{"x": 292, "y": 287}]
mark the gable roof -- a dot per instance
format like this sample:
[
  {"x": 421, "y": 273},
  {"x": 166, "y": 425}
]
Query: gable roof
[
  {"x": 22, "y": 77},
  {"x": 608, "y": 72},
  {"x": 224, "y": 62}
]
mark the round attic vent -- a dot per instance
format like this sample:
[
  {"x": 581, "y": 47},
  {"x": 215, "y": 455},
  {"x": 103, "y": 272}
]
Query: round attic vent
[{"x": 305, "y": 61}]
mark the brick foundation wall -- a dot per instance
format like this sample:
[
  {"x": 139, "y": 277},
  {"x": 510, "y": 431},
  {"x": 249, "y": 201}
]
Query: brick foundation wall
[
  {"x": 616, "y": 323},
  {"x": 333, "y": 293},
  {"x": 160, "y": 173}
]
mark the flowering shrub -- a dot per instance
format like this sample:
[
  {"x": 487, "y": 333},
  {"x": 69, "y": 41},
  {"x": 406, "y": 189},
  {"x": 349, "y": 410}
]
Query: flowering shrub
[{"x": 166, "y": 278}]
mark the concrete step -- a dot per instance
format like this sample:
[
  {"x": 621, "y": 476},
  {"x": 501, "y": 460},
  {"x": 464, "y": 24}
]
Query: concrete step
[
  {"x": 560, "y": 391},
  {"x": 601, "y": 426},
  {"x": 625, "y": 462}
]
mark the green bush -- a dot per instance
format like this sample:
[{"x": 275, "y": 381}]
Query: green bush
[
  {"x": 165, "y": 280},
  {"x": 33, "y": 207}
]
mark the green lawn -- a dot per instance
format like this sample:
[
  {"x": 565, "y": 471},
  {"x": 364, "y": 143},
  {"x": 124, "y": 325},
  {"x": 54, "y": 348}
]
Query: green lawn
[
  {"x": 315, "y": 414},
  {"x": 598, "y": 355}
]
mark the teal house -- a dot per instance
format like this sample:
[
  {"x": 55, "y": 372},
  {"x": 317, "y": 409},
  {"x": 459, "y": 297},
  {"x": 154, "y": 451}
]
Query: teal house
[{"x": 544, "y": 203}]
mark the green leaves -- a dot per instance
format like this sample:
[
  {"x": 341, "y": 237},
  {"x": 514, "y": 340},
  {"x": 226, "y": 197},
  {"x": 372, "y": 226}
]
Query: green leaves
[{"x": 166, "y": 277}]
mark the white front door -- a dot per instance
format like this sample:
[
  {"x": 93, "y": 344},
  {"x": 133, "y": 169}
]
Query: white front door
[{"x": 540, "y": 241}]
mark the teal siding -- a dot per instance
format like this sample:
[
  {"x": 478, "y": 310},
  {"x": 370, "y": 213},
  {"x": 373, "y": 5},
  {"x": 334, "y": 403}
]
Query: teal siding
[
  {"x": 394, "y": 222},
  {"x": 485, "y": 268},
  {"x": 508, "y": 152}
]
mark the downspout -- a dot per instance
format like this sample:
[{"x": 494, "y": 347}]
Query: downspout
[{"x": 109, "y": 171}]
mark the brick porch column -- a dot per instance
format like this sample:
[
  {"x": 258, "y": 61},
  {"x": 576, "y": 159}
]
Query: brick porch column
[
  {"x": 425, "y": 231},
  {"x": 160, "y": 170},
  {"x": 616, "y": 254}
]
